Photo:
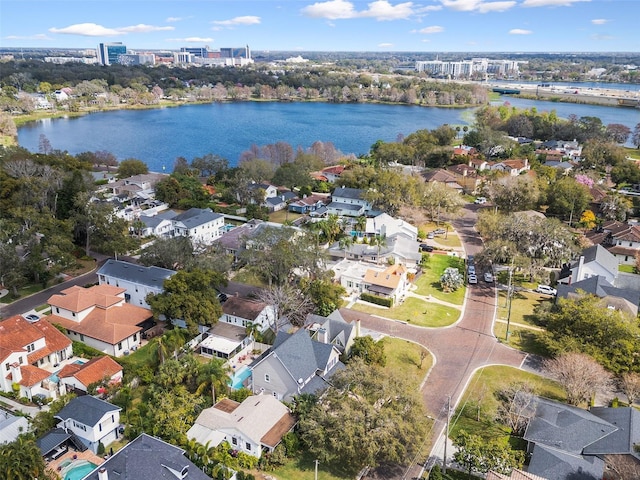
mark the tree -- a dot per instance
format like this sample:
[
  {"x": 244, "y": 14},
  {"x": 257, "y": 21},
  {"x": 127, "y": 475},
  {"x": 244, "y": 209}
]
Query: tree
[
  {"x": 630, "y": 385},
  {"x": 615, "y": 207},
  {"x": 588, "y": 220},
  {"x": 437, "y": 199},
  {"x": 324, "y": 293},
  {"x": 478, "y": 455},
  {"x": 567, "y": 198},
  {"x": 626, "y": 172},
  {"x": 131, "y": 167},
  {"x": 517, "y": 402},
  {"x": 579, "y": 374},
  {"x": 618, "y": 133},
  {"x": 22, "y": 460},
  {"x": 290, "y": 305},
  {"x": 190, "y": 296},
  {"x": 451, "y": 279},
  {"x": 174, "y": 253},
  {"x": 366, "y": 417},
  {"x": 370, "y": 351},
  {"x": 514, "y": 194}
]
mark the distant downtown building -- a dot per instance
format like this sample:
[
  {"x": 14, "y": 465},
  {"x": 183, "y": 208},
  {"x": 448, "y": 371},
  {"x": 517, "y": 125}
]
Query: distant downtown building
[
  {"x": 108, "y": 52},
  {"x": 226, "y": 57},
  {"x": 466, "y": 68}
]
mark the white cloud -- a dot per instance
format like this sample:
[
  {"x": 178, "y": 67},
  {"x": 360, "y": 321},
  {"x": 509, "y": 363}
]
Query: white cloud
[
  {"x": 599, "y": 21},
  {"x": 385, "y": 45},
  {"x": 333, "y": 10},
  {"x": 551, "y": 3},
  {"x": 246, "y": 20},
  {"x": 600, "y": 37},
  {"x": 86, "y": 30},
  {"x": 191, "y": 40},
  {"x": 142, "y": 28},
  {"x": 429, "y": 8},
  {"x": 431, "y": 29},
  {"x": 381, "y": 10},
  {"x": 519, "y": 31},
  {"x": 175, "y": 19},
  {"x": 38, "y": 36},
  {"x": 95, "y": 30},
  {"x": 479, "y": 5}
]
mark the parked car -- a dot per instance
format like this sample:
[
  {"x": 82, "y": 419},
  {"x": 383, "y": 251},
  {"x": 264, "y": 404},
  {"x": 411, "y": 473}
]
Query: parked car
[
  {"x": 430, "y": 235},
  {"x": 439, "y": 231},
  {"x": 471, "y": 270},
  {"x": 470, "y": 259},
  {"x": 488, "y": 277},
  {"x": 472, "y": 279},
  {"x": 426, "y": 248},
  {"x": 31, "y": 318},
  {"x": 480, "y": 200},
  {"x": 546, "y": 290}
]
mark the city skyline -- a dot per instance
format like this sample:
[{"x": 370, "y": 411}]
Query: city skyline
[{"x": 334, "y": 25}]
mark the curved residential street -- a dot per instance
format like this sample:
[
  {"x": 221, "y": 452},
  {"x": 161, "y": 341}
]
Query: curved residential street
[{"x": 458, "y": 350}]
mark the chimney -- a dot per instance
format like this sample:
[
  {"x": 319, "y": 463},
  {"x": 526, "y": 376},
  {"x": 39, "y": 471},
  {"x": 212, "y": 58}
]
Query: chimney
[
  {"x": 16, "y": 374},
  {"x": 358, "y": 333},
  {"x": 103, "y": 474},
  {"x": 322, "y": 335}
]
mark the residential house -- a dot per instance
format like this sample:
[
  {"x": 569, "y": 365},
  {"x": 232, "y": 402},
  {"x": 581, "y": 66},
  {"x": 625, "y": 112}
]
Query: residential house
[
  {"x": 513, "y": 167},
  {"x": 351, "y": 274},
  {"x": 138, "y": 281},
  {"x": 201, "y": 225},
  {"x": 148, "y": 457},
  {"x": 79, "y": 376},
  {"x": 92, "y": 420},
  {"x": 270, "y": 191},
  {"x": 464, "y": 151},
  {"x": 348, "y": 202},
  {"x": 387, "y": 226},
  {"x": 623, "y": 240},
  {"x": 235, "y": 240},
  {"x": 569, "y": 443},
  {"x": 100, "y": 317},
  {"x": 295, "y": 364},
  {"x": 11, "y": 426},
  {"x": 445, "y": 177},
  {"x": 396, "y": 249},
  {"x": 570, "y": 150},
  {"x": 332, "y": 174},
  {"x": 26, "y": 351},
  {"x": 391, "y": 283},
  {"x": 275, "y": 204},
  {"x": 309, "y": 203},
  {"x": 254, "y": 426},
  {"x": 466, "y": 176},
  {"x": 564, "y": 168},
  {"x": 592, "y": 262},
  {"x": 246, "y": 312},
  {"x": 622, "y": 299},
  {"x": 156, "y": 226},
  {"x": 137, "y": 185},
  {"x": 333, "y": 329},
  {"x": 478, "y": 163}
]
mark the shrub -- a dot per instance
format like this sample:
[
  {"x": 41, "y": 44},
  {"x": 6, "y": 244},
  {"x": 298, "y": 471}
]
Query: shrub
[
  {"x": 100, "y": 448},
  {"x": 385, "y": 302}
]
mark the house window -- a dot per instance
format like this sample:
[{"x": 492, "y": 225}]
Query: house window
[
  {"x": 234, "y": 441},
  {"x": 57, "y": 310},
  {"x": 267, "y": 378},
  {"x": 81, "y": 337},
  {"x": 120, "y": 346},
  {"x": 6, "y": 365},
  {"x": 73, "y": 314},
  {"x": 20, "y": 360},
  {"x": 248, "y": 446},
  {"x": 100, "y": 427},
  {"x": 135, "y": 337},
  {"x": 136, "y": 288}
]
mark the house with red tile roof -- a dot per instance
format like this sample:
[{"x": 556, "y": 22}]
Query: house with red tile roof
[
  {"x": 100, "y": 318},
  {"x": 26, "y": 350},
  {"x": 513, "y": 167},
  {"x": 78, "y": 377}
]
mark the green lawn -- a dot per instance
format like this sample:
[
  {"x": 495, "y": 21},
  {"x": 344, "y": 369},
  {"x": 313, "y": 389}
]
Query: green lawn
[
  {"x": 449, "y": 239},
  {"x": 429, "y": 281},
  {"x": 282, "y": 216},
  {"x": 303, "y": 469},
  {"x": 481, "y": 393},
  {"x": 627, "y": 268},
  {"x": 523, "y": 339},
  {"x": 522, "y": 305},
  {"x": 403, "y": 360},
  {"x": 414, "y": 311}
]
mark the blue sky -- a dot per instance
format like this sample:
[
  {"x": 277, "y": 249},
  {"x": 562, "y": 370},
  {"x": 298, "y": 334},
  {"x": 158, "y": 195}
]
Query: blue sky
[{"x": 334, "y": 25}]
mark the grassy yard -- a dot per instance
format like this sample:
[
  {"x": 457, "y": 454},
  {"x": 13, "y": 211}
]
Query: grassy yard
[
  {"x": 627, "y": 268},
  {"x": 481, "y": 395},
  {"x": 282, "y": 216},
  {"x": 403, "y": 360},
  {"x": 429, "y": 281},
  {"x": 414, "y": 311},
  {"x": 450, "y": 239},
  {"x": 303, "y": 468},
  {"x": 248, "y": 277},
  {"x": 522, "y": 306},
  {"x": 523, "y": 339},
  {"x": 81, "y": 267}
]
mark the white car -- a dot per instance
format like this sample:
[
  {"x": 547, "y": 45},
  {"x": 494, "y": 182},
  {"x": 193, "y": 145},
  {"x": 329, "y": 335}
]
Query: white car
[
  {"x": 472, "y": 279},
  {"x": 488, "y": 277},
  {"x": 546, "y": 290},
  {"x": 480, "y": 200}
]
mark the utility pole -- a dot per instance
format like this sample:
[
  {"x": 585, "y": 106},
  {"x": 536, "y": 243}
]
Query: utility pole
[
  {"x": 446, "y": 437},
  {"x": 509, "y": 291},
  {"x": 316, "y": 473}
]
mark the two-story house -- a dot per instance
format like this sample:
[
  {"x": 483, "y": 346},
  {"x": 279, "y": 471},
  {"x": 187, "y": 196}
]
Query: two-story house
[
  {"x": 309, "y": 203},
  {"x": 593, "y": 261},
  {"x": 295, "y": 364},
  {"x": 92, "y": 420},
  {"x": 138, "y": 281},
  {"x": 201, "y": 225},
  {"x": 26, "y": 351},
  {"x": 348, "y": 202},
  {"x": 333, "y": 329},
  {"x": 391, "y": 283},
  {"x": 78, "y": 377},
  {"x": 387, "y": 226},
  {"x": 100, "y": 317},
  {"x": 254, "y": 426},
  {"x": 246, "y": 312},
  {"x": 513, "y": 167}
]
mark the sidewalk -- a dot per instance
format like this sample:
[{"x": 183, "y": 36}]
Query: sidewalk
[{"x": 26, "y": 409}]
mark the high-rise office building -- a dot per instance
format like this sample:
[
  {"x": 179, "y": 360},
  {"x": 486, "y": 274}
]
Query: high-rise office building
[{"x": 108, "y": 52}]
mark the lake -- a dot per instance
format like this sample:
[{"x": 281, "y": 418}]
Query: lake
[{"x": 159, "y": 136}]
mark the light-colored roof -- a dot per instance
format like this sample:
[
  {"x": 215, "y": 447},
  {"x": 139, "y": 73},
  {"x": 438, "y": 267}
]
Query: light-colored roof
[
  {"x": 93, "y": 371},
  {"x": 256, "y": 418},
  {"x": 390, "y": 278},
  {"x": 76, "y": 299}
]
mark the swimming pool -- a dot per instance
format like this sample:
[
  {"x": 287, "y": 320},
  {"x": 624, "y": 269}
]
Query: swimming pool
[
  {"x": 238, "y": 378},
  {"x": 77, "y": 469}
]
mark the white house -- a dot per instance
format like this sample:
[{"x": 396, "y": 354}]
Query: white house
[
  {"x": 390, "y": 283},
  {"x": 137, "y": 280},
  {"x": 253, "y": 426},
  {"x": 592, "y": 262},
  {"x": 78, "y": 377},
  {"x": 245, "y": 312},
  {"x": 348, "y": 202},
  {"x": 201, "y": 225},
  {"x": 387, "y": 226},
  {"x": 26, "y": 350},
  {"x": 100, "y": 317},
  {"x": 92, "y": 420}
]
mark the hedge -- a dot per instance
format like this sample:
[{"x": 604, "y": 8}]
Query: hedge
[{"x": 385, "y": 302}]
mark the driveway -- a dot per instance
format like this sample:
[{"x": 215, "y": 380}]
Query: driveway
[{"x": 458, "y": 350}]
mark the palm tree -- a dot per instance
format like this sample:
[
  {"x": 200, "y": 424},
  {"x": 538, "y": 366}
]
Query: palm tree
[
  {"x": 346, "y": 242},
  {"x": 361, "y": 223},
  {"x": 379, "y": 241},
  {"x": 212, "y": 374}
]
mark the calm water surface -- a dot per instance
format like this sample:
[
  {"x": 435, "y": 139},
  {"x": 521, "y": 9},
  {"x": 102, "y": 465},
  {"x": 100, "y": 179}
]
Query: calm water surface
[{"x": 159, "y": 136}]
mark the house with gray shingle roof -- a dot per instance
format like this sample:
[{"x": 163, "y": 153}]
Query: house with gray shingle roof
[
  {"x": 348, "y": 202},
  {"x": 137, "y": 280},
  {"x": 148, "y": 457},
  {"x": 201, "y": 225},
  {"x": 253, "y": 426},
  {"x": 92, "y": 420},
  {"x": 11, "y": 426},
  {"x": 333, "y": 329},
  {"x": 623, "y": 299},
  {"x": 295, "y": 364}
]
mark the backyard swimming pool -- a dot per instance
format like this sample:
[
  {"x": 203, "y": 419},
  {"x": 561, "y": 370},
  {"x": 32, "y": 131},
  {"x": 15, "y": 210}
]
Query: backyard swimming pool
[
  {"x": 238, "y": 378},
  {"x": 77, "y": 469}
]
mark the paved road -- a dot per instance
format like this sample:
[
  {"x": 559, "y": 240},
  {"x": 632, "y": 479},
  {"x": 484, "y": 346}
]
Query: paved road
[{"x": 458, "y": 350}]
